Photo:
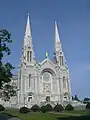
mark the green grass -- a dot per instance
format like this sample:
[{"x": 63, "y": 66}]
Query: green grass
[{"x": 44, "y": 116}]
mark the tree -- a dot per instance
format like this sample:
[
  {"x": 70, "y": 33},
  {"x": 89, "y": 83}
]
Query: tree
[
  {"x": 43, "y": 109},
  {"x": 72, "y": 98},
  {"x": 88, "y": 105},
  {"x": 7, "y": 92},
  {"x": 5, "y": 68},
  {"x": 35, "y": 108},
  {"x": 86, "y": 99},
  {"x": 58, "y": 108},
  {"x": 2, "y": 108},
  {"x": 76, "y": 98},
  {"x": 69, "y": 107},
  {"x": 48, "y": 107},
  {"x": 24, "y": 110}
]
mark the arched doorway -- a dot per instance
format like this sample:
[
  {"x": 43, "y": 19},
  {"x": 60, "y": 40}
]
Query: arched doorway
[
  {"x": 48, "y": 98},
  {"x": 30, "y": 97}
]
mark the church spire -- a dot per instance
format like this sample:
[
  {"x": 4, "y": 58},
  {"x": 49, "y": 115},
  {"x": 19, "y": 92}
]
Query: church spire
[
  {"x": 28, "y": 46},
  {"x": 57, "y": 44},
  {"x": 28, "y": 37},
  {"x": 28, "y": 31},
  {"x": 58, "y": 52}
]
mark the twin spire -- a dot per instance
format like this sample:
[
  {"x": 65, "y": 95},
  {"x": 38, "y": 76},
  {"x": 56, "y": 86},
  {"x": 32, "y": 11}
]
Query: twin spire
[
  {"x": 28, "y": 29},
  {"x": 28, "y": 38},
  {"x": 57, "y": 44}
]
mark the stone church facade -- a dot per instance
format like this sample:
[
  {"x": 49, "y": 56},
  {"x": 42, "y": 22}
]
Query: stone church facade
[{"x": 47, "y": 81}]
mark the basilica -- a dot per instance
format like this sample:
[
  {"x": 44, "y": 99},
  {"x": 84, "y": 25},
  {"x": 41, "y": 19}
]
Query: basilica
[{"x": 44, "y": 82}]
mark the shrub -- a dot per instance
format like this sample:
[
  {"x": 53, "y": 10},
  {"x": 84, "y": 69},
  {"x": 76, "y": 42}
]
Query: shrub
[
  {"x": 48, "y": 107},
  {"x": 43, "y": 109},
  {"x": 58, "y": 108},
  {"x": 69, "y": 107},
  {"x": 35, "y": 108},
  {"x": 88, "y": 105},
  {"x": 24, "y": 110},
  {"x": 2, "y": 108}
]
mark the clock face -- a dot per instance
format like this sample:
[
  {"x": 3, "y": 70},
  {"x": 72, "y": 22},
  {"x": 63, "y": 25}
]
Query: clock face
[{"x": 46, "y": 76}]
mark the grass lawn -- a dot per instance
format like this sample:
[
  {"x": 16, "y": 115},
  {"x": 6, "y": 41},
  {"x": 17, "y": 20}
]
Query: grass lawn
[{"x": 44, "y": 116}]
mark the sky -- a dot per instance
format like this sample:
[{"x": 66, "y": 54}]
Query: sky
[{"x": 73, "y": 18}]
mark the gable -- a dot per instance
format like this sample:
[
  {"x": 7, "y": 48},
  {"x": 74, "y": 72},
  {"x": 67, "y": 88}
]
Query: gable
[{"x": 47, "y": 64}]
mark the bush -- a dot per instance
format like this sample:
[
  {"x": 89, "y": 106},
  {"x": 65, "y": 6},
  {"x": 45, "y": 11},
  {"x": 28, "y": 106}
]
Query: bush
[
  {"x": 2, "y": 108},
  {"x": 48, "y": 108},
  {"x": 43, "y": 109},
  {"x": 35, "y": 108},
  {"x": 69, "y": 107},
  {"x": 24, "y": 110},
  {"x": 88, "y": 105},
  {"x": 58, "y": 108}
]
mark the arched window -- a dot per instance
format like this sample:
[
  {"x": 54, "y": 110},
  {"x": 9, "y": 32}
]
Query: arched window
[
  {"x": 64, "y": 82},
  {"x": 29, "y": 80},
  {"x": 62, "y": 60},
  {"x": 46, "y": 76},
  {"x": 28, "y": 56},
  {"x": 30, "y": 98}
]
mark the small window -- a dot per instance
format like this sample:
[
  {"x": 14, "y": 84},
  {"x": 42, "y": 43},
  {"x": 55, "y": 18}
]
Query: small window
[
  {"x": 62, "y": 60},
  {"x": 29, "y": 80},
  {"x": 64, "y": 82},
  {"x": 65, "y": 97},
  {"x": 28, "y": 56},
  {"x": 29, "y": 99}
]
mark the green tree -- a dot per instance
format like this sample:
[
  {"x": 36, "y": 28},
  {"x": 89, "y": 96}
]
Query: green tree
[
  {"x": 5, "y": 68},
  {"x": 35, "y": 108},
  {"x": 58, "y": 108},
  {"x": 76, "y": 98},
  {"x": 6, "y": 90}
]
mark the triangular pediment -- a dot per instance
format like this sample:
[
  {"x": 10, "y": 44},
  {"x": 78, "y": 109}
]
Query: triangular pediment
[
  {"x": 47, "y": 61},
  {"x": 47, "y": 64}
]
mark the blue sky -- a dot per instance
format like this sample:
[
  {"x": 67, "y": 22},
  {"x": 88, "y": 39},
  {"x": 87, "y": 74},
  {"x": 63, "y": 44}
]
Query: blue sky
[{"x": 73, "y": 17}]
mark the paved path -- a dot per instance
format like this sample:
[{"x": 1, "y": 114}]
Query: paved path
[{"x": 70, "y": 114}]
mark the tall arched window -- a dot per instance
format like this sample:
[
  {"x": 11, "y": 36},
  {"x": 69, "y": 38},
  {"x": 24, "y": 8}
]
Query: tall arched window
[
  {"x": 29, "y": 80},
  {"x": 64, "y": 82},
  {"x": 62, "y": 60},
  {"x": 28, "y": 56}
]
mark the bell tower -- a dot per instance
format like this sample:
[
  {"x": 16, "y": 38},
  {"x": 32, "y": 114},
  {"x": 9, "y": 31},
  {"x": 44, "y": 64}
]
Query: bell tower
[
  {"x": 58, "y": 52},
  {"x": 28, "y": 52}
]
